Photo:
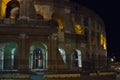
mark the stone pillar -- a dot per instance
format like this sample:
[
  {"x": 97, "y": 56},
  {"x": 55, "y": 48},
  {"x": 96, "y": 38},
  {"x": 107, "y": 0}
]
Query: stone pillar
[
  {"x": 52, "y": 62},
  {"x": 27, "y": 10},
  {"x": 23, "y": 55}
]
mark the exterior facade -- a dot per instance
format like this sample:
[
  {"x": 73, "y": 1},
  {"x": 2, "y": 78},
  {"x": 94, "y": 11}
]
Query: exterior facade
[{"x": 50, "y": 35}]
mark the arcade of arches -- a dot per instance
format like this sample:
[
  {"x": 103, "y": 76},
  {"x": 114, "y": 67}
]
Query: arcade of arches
[
  {"x": 9, "y": 55},
  {"x": 15, "y": 55},
  {"x": 38, "y": 56}
]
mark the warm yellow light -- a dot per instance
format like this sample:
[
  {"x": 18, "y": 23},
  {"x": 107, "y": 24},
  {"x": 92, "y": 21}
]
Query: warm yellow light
[
  {"x": 3, "y": 7},
  {"x": 78, "y": 29},
  {"x": 60, "y": 23},
  {"x": 105, "y": 44},
  {"x": 103, "y": 41}
]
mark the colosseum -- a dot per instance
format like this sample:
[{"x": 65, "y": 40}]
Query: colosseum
[{"x": 50, "y": 37}]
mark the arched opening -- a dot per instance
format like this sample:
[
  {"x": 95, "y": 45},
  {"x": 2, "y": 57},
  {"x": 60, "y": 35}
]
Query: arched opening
[
  {"x": 38, "y": 56},
  {"x": 76, "y": 61},
  {"x": 63, "y": 54},
  {"x": 8, "y": 55},
  {"x": 42, "y": 11},
  {"x": 59, "y": 20},
  {"x": 12, "y": 9},
  {"x": 9, "y": 7}
]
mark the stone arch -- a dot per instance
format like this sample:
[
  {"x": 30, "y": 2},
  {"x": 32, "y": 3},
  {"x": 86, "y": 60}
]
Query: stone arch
[
  {"x": 12, "y": 8},
  {"x": 76, "y": 60},
  {"x": 38, "y": 55},
  {"x": 8, "y": 55}
]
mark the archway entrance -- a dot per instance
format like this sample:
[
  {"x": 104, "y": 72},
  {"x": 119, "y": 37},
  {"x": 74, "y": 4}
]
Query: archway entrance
[
  {"x": 76, "y": 61},
  {"x": 8, "y": 55},
  {"x": 3, "y": 7},
  {"x": 38, "y": 56}
]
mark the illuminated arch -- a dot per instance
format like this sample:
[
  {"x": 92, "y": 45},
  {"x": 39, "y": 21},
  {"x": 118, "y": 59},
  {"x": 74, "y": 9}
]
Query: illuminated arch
[
  {"x": 38, "y": 56},
  {"x": 8, "y": 55},
  {"x": 78, "y": 29},
  {"x": 76, "y": 60},
  {"x": 59, "y": 20},
  {"x": 60, "y": 23},
  {"x": 103, "y": 41},
  {"x": 63, "y": 54},
  {"x": 3, "y": 7}
]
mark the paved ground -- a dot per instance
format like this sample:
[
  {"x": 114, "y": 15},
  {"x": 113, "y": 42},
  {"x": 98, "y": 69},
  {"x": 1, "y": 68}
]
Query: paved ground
[{"x": 62, "y": 76}]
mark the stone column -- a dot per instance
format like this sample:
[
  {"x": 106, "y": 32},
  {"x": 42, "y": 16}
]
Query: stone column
[
  {"x": 52, "y": 62},
  {"x": 27, "y": 10},
  {"x": 23, "y": 55}
]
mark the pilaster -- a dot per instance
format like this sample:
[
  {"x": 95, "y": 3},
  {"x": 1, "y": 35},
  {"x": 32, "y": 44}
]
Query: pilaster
[
  {"x": 23, "y": 55},
  {"x": 27, "y": 10}
]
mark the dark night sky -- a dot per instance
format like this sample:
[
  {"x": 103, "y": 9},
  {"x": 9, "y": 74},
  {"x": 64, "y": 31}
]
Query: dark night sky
[{"x": 108, "y": 10}]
